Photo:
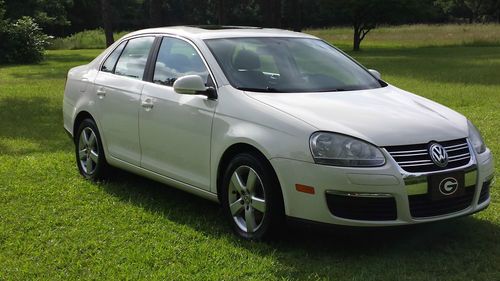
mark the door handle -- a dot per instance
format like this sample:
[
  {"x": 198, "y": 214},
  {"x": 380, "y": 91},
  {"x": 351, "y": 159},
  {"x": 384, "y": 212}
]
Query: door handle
[
  {"x": 101, "y": 93},
  {"x": 147, "y": 104}
]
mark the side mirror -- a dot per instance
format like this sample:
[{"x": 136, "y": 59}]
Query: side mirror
[
  {"x": 375, "y": 73},
  {"x": 193, "y": 85}
]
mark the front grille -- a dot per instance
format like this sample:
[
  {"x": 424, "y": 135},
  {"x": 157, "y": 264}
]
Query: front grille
[
  {"x": 362, "y": 208},
  {"x": 422, "y": 205},
  {"x": 416, "y": 159},
  {"x": 485, "y": 192}
]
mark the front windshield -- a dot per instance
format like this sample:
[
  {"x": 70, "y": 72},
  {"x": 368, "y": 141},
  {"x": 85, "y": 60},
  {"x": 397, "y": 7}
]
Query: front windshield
[{"x": 288, "y": 65}]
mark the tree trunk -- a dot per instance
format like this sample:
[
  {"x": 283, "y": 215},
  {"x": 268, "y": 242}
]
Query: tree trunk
[
  {"x": 357, "y": 38},
  {"x": 297, "y": 15},
  {"x": 107, "y": 22},
  {"x": 221, "y": 12},
  {"x": 155, "y": 15}
]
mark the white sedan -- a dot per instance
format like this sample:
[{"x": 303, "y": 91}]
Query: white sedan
[{"x": 273, "y": 125}]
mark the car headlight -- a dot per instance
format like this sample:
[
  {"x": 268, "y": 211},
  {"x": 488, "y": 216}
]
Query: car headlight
[
  {"x": 476, "y": 139},
  {"x": 340, "y": 150}
]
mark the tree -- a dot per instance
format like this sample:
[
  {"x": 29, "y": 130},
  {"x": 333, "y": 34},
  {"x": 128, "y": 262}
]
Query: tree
[
  {"x": 271, "y": 12},
  {"x": 496, "y": 10},
  {"x": 365, "y": 15},
  {"x": 107, "y": 21},
  {"x": 2, "y": 9},
  {"x": 292, "y": 17},
  {"x": 221, "y": 12},
  {"x": 155, "y": 13},
  {"x": 51, "y": 15},
  {"x": 3, "y": 23},
  {"x": 472, "y": 10}
]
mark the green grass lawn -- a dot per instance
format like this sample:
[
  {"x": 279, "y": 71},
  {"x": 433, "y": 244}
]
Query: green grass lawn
[
  {"x": 55, "y": 225},
  {"x": 417, "y": 35}
]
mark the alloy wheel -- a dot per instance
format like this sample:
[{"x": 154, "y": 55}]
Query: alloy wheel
[
  {"x": 247, "y": 201},
  {"x": 88, "y": 150}
]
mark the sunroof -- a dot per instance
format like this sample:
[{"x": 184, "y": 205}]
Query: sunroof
[{"x": 221, "y": 27}]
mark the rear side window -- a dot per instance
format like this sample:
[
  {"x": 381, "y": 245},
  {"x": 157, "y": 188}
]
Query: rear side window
[
  {"x": 177, "y": 58},
  {"x": 109, "y": 64},
  {"x": 132, "y": 61}
]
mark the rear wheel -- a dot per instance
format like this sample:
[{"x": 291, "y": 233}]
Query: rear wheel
[
  {"x": 251, "y": 198},
  {"x": 89, "y": 152}
]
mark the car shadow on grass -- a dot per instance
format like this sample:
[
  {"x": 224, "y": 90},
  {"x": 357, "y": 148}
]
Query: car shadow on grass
[
  {"x": 312, "y": 251},
  {"x": 30, "y": 125}
]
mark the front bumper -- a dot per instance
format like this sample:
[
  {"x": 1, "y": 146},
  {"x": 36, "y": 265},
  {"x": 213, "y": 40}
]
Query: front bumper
[{"x": 388, "y": 181}]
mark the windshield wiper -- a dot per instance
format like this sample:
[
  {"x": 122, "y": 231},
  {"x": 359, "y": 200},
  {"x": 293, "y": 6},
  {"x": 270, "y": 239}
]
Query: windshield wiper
[
  {"x": 334, "y": 90},
  {"x": 267, "y": 89}
]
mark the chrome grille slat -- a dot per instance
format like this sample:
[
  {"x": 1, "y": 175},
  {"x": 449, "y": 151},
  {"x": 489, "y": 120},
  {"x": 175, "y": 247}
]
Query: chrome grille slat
[
  {"x": 453, "y": 146},
  {"x": 459, "y": 156},
  {"x": 416, "y": 159},
  {"x": 417, "y": 165},
  {"x": 415, "y": 162},
  {"x": 456, "y": 149},
  {"x": 411, "y": 151},
  {"x": 459, "y": 159},
  {"x": 411, "y": 154}
]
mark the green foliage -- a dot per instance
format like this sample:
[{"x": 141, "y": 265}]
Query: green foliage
[
  {"x": 471, "y": 10},
  {"x": 22, "y": 42},
  {"x": 49, "y": 14},
  {"x": 3, "y": 23},
  {"x": 2, "y": 9}
]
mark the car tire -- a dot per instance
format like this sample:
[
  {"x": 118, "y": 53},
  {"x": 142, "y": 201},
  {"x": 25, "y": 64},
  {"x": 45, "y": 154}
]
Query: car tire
[
  {"x": 90, "y": 158},
  {"x": 251, "y": 198}
]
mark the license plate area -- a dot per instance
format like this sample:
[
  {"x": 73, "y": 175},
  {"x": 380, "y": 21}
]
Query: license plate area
[{"x": 447, "y": 185}]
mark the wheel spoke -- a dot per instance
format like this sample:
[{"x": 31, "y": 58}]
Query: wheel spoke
[
  {"x": 237, "y": 183},
  {"x": 236, "y": 207},
  {"x": 85, "y": 138},
  {"x": 93, "y": 156},
  {"x": 250, "y": 219},
  {"x": 259, "y": 204},
  {"x": 92, "y": 139},
  {"x": 88, "y": 166},
  {"x": 251, "y": 181},
  {"x": 82, "y": 154}
]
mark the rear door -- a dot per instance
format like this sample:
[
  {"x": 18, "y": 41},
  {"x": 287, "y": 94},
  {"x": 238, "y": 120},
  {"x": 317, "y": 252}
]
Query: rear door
[
  {"x": 118, "y": 86},
  {"x": 175, "y": 130}
]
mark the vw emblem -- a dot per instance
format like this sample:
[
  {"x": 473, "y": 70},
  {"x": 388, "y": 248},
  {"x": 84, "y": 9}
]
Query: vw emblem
[
  {"x": 438, "y": 155},
  {"x": 448, "y": 186}
]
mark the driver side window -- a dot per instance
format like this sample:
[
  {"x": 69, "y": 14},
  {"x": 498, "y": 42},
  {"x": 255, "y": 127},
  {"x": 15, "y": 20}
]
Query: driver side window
[{"x": 177, "y": 58}]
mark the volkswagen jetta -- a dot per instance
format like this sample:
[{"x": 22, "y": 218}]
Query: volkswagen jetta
[{"x": 273, "y": 125}]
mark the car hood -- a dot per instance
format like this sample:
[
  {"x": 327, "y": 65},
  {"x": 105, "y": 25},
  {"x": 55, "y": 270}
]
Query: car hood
[{"x": 386, "y": 116}]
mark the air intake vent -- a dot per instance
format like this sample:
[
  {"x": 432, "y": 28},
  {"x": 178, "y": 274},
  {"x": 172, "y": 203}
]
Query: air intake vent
[
  {"x": 416, "y": 158},
  {"x": 422, "y": 206}
]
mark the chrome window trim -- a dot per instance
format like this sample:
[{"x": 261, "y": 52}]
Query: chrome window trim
[
  {"x": 197, "y": 51},
  {"x": 118, "y": 43}
]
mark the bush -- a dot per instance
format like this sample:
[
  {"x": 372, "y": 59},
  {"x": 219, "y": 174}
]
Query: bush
[
  {"x": 88, "y": 39},
  {"x": 22, "y": 41}
]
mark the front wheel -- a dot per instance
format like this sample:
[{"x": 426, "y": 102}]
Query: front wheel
[
  {"x": 89, "y": 152},
  {"x": 251, "y": 198}
]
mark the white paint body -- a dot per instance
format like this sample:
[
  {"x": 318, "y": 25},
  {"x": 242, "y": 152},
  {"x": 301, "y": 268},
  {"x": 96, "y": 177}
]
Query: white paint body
[{"x": 180, "y": 139}]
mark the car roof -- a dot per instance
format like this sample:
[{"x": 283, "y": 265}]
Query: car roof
[{"x": 216, "y": 31}]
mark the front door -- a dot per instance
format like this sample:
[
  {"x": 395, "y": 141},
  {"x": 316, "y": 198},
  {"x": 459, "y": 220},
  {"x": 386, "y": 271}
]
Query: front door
[{"x": 175, "y": 130}]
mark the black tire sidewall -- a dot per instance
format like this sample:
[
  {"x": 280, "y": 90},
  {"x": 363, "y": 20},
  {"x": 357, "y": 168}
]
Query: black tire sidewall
[
  {"x": 274, "y": 216},
  {"x": 101, "y": 168}
]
